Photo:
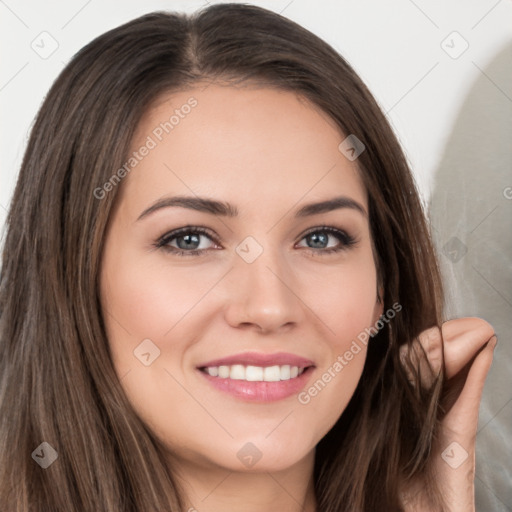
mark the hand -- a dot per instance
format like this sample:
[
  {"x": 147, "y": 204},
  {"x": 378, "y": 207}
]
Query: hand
[{"x": 468, "y": 352}]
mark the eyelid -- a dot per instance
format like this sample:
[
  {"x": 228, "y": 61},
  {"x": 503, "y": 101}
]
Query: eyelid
[
  {"x": 340, "y": 233},
  {"x": 347, "y": 239},
  {"x": 175, "y": 233}
]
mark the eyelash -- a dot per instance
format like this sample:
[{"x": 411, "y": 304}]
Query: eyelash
[{"x": 162, "y": 243}]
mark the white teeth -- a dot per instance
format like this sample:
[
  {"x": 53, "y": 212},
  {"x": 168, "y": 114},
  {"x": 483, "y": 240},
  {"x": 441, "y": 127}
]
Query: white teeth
[
  {"x": 285, "y": 372},
  {"x": 272, "y": 374},
  {"x": 213, "y": 370},
  {"x": 237, "y": 372},
  {"x": 223, "y": 372},
  {"x": 255, "y": 373}
]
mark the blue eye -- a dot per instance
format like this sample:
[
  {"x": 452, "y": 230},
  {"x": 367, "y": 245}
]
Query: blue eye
[
  {"x": 320, "y": 236},
  {"x": 189, "y": 236},
  {"x": 188, "y": 241}
]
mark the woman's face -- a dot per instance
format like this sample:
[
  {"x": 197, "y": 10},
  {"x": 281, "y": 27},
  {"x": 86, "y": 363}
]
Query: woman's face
[{"x": 241, "y": 350}]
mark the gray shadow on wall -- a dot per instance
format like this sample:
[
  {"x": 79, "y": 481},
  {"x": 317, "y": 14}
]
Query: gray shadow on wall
[{"x": 471, "y": 213}]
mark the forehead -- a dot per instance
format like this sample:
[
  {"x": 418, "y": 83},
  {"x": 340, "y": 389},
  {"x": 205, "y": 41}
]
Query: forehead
[{"x": 242, "y": 144}]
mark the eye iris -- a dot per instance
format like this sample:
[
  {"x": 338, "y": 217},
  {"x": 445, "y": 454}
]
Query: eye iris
[
  {"x": 190, "y": 239},
  {"x": 315, "y": 238},
  {"x": 185, "y": 242}
]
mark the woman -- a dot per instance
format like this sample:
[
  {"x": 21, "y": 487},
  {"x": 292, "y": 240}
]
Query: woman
[{"x": 256, "y": 370}]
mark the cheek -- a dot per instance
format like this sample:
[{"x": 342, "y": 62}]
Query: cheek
[
  {"x": 348, "y": 304},
  {"x": 349, "y": 309},
  {"x": 144, "y": 301},
  {"x": 354, "y": 310},
  {"x": 148, "y": 299}
]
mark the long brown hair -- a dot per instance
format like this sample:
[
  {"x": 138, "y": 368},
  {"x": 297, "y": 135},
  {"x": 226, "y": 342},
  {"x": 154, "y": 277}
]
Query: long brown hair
[{"x": 58, "y": 384}]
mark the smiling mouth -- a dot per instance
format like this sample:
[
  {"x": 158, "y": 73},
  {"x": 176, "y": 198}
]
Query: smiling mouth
[{"x": 249, "y": 373}]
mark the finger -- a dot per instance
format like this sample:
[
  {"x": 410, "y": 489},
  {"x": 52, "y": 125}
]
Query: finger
[
  {"x": 462, "y": 418},
  {"x": 463, "y": 338},
  {"x": 456, "y": 442}
]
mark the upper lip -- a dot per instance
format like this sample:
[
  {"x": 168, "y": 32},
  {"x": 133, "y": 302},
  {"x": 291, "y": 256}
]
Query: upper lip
[{"x": 259, "y": 359}]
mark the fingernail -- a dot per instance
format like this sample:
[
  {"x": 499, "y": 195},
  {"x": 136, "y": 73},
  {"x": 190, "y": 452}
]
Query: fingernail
[{"x": 493, "y": 341}]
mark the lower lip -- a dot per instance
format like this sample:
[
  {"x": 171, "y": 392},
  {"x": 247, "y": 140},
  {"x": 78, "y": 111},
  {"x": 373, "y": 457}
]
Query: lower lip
[{"x": 260, "y": 391}]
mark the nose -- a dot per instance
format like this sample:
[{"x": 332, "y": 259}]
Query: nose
[{"x": 264, "y": 294}]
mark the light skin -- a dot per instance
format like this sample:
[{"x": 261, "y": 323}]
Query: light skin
[
  {"x": 268, "y": 153},
  {"x": 468, "y": 346}
]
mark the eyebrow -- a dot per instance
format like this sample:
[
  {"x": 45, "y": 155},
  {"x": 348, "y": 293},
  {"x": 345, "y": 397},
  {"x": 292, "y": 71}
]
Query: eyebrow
[{"x": 214, "y": 207}]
